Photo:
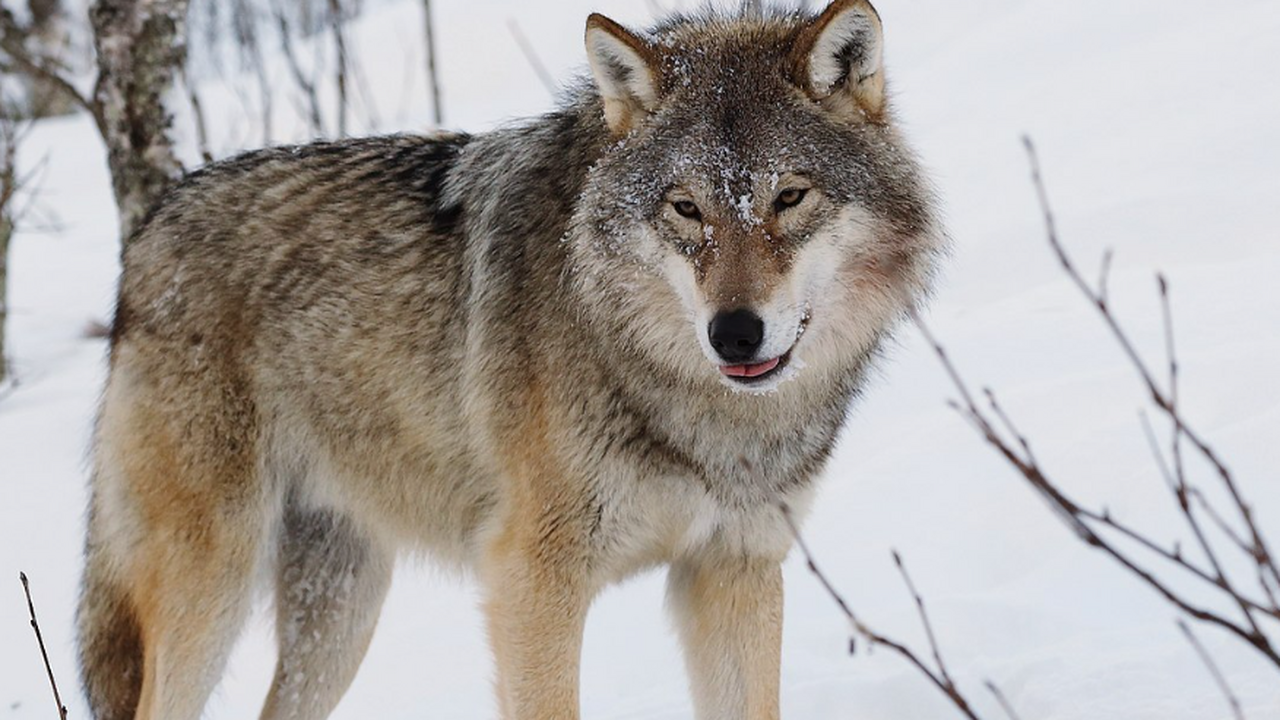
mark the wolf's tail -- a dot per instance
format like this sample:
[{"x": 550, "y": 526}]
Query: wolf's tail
[{"x": 110, "y": 640}]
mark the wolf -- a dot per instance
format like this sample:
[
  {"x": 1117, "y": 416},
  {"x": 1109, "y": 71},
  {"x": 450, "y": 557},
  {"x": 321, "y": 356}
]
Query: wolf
[{"x": 619, "y": 336}]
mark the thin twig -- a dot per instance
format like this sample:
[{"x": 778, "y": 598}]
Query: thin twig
[
  {"x": 1008, "y": 424},
  {"x": 1218, "y": 677},
  {"x": 305, "y": 84},
  {"x": 1198, "y": 498},
  {"x": 1156, "y": 453},
  {"x": 1000, "y": 698},
  {"x": 433, "y": 78},
  {"x": 1087, "y": 524},
  {"x": 940, "y": 678},
  {"x": 531, "y": 56},
  {"x": 1167, "y": 402},
  {"x": 340, "y": 44},
  {"x": 12, "y": 42},
  {"x": 924, "y": 620},
  {"x": 1076, "y": 517},
  {"x": 197, "y": 111},
  {"x": 264, "y": 91},
  {"x": 1183, "y": 488},
  {"x": 1263, "y": 556},
  {"x": 1104, "y": 274},
  {"x": 1175, "y": 555},
  {"x": 368, "y": 102},
  {"x": 31, "y": 608},
  {"x": 822, "y": 578}
]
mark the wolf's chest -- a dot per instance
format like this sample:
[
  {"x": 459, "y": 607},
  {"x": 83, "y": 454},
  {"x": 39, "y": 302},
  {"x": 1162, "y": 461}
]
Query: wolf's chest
[{"x": 651, "y": 519}]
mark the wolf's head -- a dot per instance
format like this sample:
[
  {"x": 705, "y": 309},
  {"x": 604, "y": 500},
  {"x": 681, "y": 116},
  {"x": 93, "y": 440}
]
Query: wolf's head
[{"x": 756, "y": 211}]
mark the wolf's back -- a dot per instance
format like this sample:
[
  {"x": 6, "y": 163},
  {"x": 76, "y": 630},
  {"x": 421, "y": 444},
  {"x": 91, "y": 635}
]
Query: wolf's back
[{"x": 277, "y": 226}]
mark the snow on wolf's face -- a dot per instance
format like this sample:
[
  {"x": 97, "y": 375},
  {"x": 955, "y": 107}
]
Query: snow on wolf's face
[{"x": 757, "y": 212}]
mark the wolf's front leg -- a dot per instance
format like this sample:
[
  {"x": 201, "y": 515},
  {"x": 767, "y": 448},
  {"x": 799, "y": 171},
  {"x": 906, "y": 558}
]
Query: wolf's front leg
[
  {"x": 729, "y": 615},
  {"x": 536, "y": 579}
]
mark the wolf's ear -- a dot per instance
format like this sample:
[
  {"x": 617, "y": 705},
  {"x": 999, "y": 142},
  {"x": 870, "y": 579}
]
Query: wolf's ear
[
  {"x": 839, "y": 55},
  {"x": 625, "y": 67}
]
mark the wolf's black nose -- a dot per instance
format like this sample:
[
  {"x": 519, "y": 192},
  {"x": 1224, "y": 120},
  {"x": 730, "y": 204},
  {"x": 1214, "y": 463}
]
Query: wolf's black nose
[{"x": 736, "y": 335}]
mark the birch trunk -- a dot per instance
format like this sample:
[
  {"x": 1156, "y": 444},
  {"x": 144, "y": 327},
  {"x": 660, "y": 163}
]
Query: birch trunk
[
  {"x": 6, "y": 230},
  {"x": 141, "y": 48},
  {"x": 8, "y": 187}
]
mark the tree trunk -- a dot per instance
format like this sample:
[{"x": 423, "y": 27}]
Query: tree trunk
[
  {"x": 6, "y": 230},
  {"x": 8, "y": 187},
  {"x": 140, "y": 46}
]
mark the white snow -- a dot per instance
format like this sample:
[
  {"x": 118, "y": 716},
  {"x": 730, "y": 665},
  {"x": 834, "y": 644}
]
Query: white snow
[{"x": 1157, "y": 125}]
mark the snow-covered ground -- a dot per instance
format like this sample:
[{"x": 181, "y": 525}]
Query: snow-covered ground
[{"x": 1158, "y": 123}]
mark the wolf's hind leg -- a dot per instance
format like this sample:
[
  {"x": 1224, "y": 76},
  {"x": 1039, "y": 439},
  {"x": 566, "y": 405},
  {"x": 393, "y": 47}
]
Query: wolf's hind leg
[
  {"x": 331, "y": 582},
  {"x": 176, "y": 535},
  {"x": 192, "y": 592},
  {"x": 729, "y": 614}
]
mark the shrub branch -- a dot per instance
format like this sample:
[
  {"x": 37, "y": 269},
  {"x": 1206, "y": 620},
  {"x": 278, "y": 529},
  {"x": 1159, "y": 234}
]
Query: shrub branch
[{"x": 31, "y": 608}]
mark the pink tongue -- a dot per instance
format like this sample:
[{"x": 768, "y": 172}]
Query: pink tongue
[{"x": 749, "y": 371}]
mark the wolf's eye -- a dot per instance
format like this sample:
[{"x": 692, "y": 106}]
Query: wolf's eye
[
  {"x": 684, "y": 208},
  {"x": 789, "y": 198}
]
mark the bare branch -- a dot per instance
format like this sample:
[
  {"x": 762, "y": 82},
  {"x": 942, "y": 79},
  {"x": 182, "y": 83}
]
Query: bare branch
[
  {"x": 949, "y": 684},
  {"x": 1156, "y": 453},
  {"x": 1077, "y": 518},
  {"x": 264, "y": 90},
  {"x": 1198, "y": 498},
  {"x": 197, "y": 112},
  {"x": 305, "y": 84},
  {"x": 13, "y": 43},
  {"x": 924, "y": 617},
  {"x": 1182, "y": 490},
  {"x": 1000, "y": 698},
  {"x": 1104, "y": 274},
  {"x": 368, "y": 102},
  {"x": 433, "y": 78},
  {"x": 1089, "y": 525},
  {"x": 1008, "y": 424},
  {"x": 826, "y": 584},
  {"x": 1263, "y": 556},
  {"x": 532, "y": 57},
  {"x": 940, "y": 678},
  {"x": 340, "y": 43},
  {"x": 31, "y": 608},
  {"x": 1209, "y": 664},
  {"x": 1175, "y": 555}
]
